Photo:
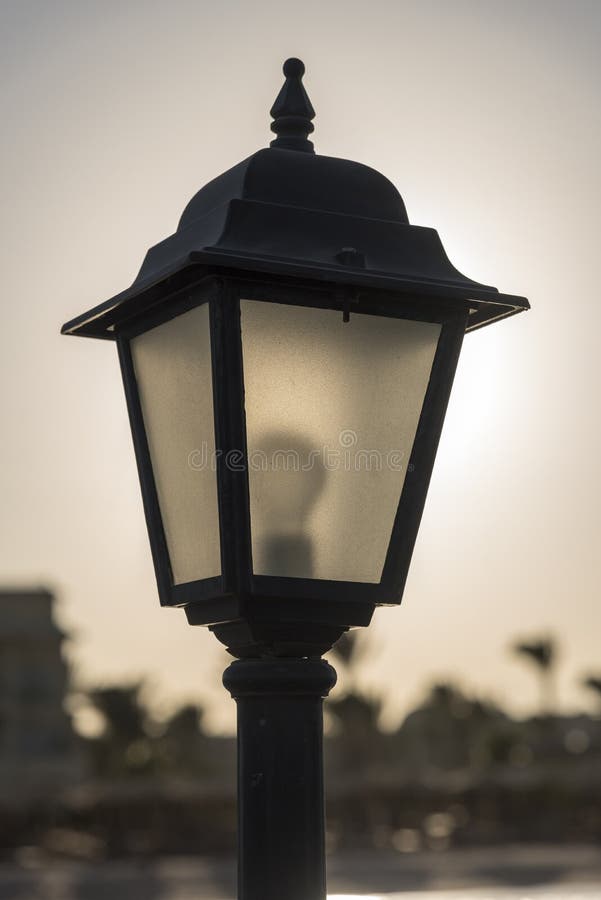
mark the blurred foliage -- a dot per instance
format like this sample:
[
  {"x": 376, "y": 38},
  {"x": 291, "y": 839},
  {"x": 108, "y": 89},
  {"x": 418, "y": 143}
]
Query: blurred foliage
[
  {"x": 593, "y": 683},
  {"x": 123, "y": 747},
  {"x": 450, "y": 730},
  {"x": 543, "y": 653},
  {"x": 458, "y": 769},
  {"x": 345, "y": 648},
  {"x": 132, "y": 742}
]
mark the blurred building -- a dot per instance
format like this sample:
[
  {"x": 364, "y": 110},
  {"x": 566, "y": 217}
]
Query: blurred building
[{"x": 38, "y": 749}]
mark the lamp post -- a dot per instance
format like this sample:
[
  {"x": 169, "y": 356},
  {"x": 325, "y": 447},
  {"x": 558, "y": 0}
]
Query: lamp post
[{"x": 287, "y": 357}]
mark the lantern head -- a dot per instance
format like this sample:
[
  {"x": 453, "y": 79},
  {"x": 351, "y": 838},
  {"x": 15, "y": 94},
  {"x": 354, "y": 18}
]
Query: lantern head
[{"x": 287, "y": 357}]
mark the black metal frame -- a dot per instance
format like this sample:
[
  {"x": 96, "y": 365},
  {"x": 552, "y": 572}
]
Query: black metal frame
[
  {"x": 287, "y": 226},
  {"x": 170, "y": 594},
  {"x": 275, "y": 603}
]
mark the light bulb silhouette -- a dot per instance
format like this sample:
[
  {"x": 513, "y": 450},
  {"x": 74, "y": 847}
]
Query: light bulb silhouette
[{"x": 288, "y": 478}]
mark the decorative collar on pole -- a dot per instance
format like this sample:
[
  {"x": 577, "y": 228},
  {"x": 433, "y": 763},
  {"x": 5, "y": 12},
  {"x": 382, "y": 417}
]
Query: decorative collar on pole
[{"x": 292, "y": 111}]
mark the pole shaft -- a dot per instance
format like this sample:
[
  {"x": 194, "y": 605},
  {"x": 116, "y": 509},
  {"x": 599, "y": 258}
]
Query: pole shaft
[{"x": 281, "y": 819}]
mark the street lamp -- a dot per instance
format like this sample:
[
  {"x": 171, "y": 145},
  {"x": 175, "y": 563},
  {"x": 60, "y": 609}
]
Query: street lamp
[{"x": 287, "y": 357}]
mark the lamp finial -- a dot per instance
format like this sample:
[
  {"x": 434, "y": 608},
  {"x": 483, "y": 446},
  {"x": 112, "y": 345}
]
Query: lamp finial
[{"x": 292, "y": 111}]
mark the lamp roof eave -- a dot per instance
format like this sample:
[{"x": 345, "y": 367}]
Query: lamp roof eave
[
  {"x": 292, "y": 213},
  {"x": 100, "y": 321}
]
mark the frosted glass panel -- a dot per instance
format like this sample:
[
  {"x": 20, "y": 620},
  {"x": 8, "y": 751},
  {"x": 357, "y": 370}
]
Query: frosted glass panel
[
  {"x": 173, "y": 370},
  {"x": 331, "y": 412}
]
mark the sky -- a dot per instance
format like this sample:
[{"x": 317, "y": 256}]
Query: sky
[{"x": 486, "y": 116}]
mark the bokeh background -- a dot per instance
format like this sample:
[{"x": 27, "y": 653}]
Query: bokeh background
[{"x": 486, "y": 117}]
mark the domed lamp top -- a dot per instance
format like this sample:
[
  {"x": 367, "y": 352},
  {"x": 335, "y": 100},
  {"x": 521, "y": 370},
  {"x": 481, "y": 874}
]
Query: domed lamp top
[{"x": 288, "y": 211}]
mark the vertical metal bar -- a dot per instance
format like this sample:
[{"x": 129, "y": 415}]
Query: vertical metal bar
[
  {"x": 281, "y": 815},
  {"x": 230, "y": 431}
]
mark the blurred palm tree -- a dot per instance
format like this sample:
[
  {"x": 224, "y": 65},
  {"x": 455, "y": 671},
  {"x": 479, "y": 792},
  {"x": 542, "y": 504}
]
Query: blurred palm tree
[
  {"x": 593, "y": 683},
  {"x": 125, "y": 745},
  {"x": 450, "y": 730},
  {"x": 355, "y": 713},
  {"x": 543, "y": 654},
  {"x": 345, "y": 648},
  {"x": 183, "y": 740},
  {"x": 122, "y": 709}
]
